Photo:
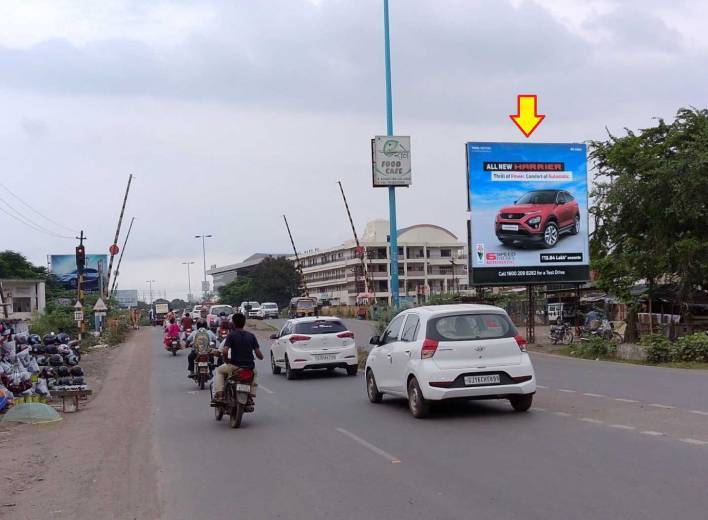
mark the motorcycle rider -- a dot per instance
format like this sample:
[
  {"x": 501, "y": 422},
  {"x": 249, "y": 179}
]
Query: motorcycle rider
[
  {"x": 171, "y": 332},
  {"x": 202, "y": 328},
  {"x": 237, "y": 351},
  {"x": 223, "y": 322},
  {"x": 187, "y": 322}
]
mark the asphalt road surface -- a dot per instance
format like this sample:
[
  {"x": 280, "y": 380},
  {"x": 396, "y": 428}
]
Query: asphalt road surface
[{"x": 602, "y": 441}]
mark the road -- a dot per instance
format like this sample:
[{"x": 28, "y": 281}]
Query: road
[{"x": 602, "y": 441}]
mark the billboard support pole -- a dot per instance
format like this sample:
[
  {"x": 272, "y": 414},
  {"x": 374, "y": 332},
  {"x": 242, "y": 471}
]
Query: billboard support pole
[
  {"x": 115, "y": 240},
  {"x": 393, "y": 232},
  {"x": 531, "y": 318}
]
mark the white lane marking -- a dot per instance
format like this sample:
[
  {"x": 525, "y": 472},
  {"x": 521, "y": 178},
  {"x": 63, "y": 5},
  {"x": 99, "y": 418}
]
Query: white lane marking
[
  {"x": 541, "y": 386},
  {"x": 366, "y": 444},
  {"x": 652, "y": 433},
  {"x": 562, "y": 414},
  {"x": 699, "y": 412},
  {"x": 695, "y": 442},
  {"x": 265, "y": 389},
  {"x": 622, "y": 400},
  {"x": 622, "y": 427},
  {"x": 538, "y": 409},
  {"x": 591, "y": 420},
  {"x": 588, "y": 394},
  {"x": 663, "y": 406},
  {"x": 567, "y": 391}
]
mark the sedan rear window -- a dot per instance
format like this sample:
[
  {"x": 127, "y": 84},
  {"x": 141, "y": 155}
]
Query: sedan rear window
[
  {"x": 466, "y": 327},
  {"x": 319, "y": 327}
]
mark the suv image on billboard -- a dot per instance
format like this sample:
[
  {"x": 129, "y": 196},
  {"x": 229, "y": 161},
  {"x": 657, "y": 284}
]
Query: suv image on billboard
[{"x": 538, "y": 217}]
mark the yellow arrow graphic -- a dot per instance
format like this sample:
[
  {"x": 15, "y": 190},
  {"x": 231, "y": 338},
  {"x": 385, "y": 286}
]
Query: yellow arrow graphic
[{"x": 526, "y": 117}]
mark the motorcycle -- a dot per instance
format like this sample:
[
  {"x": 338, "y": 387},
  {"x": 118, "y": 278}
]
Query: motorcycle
[
  {"x": 561, "y": 333},
  {"x": 174, "y": 346},
  {"x": 204, "y": 365},
  {"x": 186, "y": 333},
  {"x": 237, "y": 397},
  {"x": 606, "y": 332}
]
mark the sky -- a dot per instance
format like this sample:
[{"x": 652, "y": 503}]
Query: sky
[{"x": 231, "y": 113}]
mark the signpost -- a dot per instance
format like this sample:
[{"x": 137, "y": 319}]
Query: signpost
[
  {"x": 79, "y": 316},
  {"x": 391, "y": 161},
  {"x": 99, "y": 312}
]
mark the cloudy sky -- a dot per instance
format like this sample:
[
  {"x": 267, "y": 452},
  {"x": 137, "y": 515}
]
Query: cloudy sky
[{"x": 230, "y": 113}]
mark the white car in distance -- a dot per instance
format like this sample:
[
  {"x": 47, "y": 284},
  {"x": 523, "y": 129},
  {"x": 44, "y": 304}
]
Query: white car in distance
[
  {"x": 436, "y": 353},
  {"x": 313, "y": 343},
  {"x": 268, "y": 310}
]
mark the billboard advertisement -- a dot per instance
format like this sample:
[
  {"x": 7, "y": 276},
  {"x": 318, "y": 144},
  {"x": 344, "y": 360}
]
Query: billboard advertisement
[
  {"x": 63, "y": 267},
  {"x": 528, "y": 206},
  {"x": 391, "y": 161}
]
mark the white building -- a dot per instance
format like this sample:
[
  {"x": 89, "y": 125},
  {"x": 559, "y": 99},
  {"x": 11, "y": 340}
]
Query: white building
[
  {"x": 431, "y": 260},
  {"x": 21, "y": 297},
  {"x": 228, "y": 273}
]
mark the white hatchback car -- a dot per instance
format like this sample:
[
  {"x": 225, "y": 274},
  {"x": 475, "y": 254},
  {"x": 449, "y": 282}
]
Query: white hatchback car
[
  {"x": 313, "y": 343},
  {"x": 451, "y": 352}
]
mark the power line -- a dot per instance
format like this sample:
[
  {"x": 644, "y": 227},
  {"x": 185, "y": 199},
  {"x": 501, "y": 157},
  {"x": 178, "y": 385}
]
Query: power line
[
  {"x": 29, "y": 223},
  {"x": 35, "y": 211}
]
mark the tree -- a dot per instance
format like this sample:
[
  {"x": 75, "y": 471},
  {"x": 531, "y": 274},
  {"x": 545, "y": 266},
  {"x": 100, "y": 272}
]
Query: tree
[
  {"x": 651, "y": 206},
  {"x": 235, "y": 292},
  {"x": 276, "y": 280},
  {"x": 16, "y": 265},
  {"x": 178, "y": 304}
]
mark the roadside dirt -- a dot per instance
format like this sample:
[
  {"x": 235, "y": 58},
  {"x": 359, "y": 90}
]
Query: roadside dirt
[{"x": 95, "y": 464}]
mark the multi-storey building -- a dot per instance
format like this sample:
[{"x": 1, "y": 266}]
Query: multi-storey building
[{"x": 431, "y": 260}]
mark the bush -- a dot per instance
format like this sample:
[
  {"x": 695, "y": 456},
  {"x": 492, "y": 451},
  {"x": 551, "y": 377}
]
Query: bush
[
  {"x": 691, "y": 348},
  {"x": 594, "y": 348},
  {"x": 658, "y": 348}
]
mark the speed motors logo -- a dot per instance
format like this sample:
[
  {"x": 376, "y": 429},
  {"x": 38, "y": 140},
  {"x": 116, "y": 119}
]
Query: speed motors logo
[{"x": 501, "y": 258}]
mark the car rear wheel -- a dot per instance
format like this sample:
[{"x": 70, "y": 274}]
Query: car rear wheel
[
  {"x": 352, "y": 370},
  {"x": 290, "y": 374},
  {"x": 521, "y": 403},
  {"x": 273, "y": 367},
  {"x": 576, "y": 225},
  {"x": 550, "y": 234},
  {"x": 371, "y": 389},
  {"x": 417, "y": 404}
]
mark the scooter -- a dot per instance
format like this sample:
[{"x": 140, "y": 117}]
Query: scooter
[
  {"x": 237, "y": 397},
  {"x": 174, "y": 346}
]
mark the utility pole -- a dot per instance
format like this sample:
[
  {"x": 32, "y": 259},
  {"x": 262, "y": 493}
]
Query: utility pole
[
  {"x": 80, "y": 264},
  {"x": 114, "y": 287},
  {"x": 150, "y": 282},
  {"x": 360, "y": 251},
  {"x": 189, "y": 280},
  {"x": 393, "y": 234},
  {"x": 115, "y": 240},
  {"x": 205, "y": 286},
  {"x": 297, "y": 257}
]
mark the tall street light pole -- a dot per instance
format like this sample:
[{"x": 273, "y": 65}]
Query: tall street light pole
[
  {"x": 189, "y": 280},
  {"x": 204, "y": 285},
  {"x": 393, "y": 232}
]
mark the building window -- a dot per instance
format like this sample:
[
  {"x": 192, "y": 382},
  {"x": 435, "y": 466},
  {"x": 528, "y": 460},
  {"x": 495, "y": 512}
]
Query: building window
[
  {"x": 446, "y": 253},
  {"x": 21, "y": 304}
]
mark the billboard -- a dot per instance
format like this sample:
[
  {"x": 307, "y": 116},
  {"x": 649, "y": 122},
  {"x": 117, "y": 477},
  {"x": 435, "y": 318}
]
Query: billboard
[
  {"x": 528, "y": 208},
  {"x": 63, "y": 267},
  {"x": 391, "y": 161},
  {"x": 127, "y": 298}
]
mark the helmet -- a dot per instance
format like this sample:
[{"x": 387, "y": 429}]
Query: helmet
[
  {"x": 56, "y": 360},
  {"x": 63, "y": 337},
  {"x": 64, "y": 381},
  {"x": 63, "y": 349},
  {"x": 21, "y": 340},
  {"x": 49, "y": 339},
  {"x": 77, "y": 381},
  {"x": 41, "y": 360},
  {"x": 34, "y": 339},
  {"x": 48, "y": 373},
  {"x": 62, "y": 371},
  {"x": 51, "y": 349},
  {"x": 71, "y": 359},
  {"x": 76, "y": 371}
]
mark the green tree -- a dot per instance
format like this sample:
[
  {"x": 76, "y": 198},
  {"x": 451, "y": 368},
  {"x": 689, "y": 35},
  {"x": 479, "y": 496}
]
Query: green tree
[
  {"x": 238, "y": 291},
  {"x": 650, "y": 206},
  {"x": 16, "y": 265},
  {"x": 276, "y": 280}
]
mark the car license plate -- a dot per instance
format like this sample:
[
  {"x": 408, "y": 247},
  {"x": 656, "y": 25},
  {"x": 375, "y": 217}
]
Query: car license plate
[
  {"x": 243, "y": 388},
  {"x": 482, "y": 380},
  {"x": 325, "y": 357},
  {"x": 510, "y": 227}
]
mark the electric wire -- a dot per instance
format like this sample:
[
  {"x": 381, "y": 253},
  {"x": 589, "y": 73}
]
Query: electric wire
[
  {"x": 35, "y": 211},
  {"x": 28, "y": 222}
]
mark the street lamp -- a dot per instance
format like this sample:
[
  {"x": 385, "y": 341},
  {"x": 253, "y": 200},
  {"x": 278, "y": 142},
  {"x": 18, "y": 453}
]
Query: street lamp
[
  {"x": 150, "y": 282},
  {"x": 189, "y": 281},
  {"x": 204, "y": 285}
]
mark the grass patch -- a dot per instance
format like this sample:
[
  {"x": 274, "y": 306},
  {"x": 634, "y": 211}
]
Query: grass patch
[
  {"x": 362, "y": 355},
  {"x": 695, "y": 365}
]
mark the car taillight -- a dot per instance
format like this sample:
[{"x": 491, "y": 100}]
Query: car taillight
[
  {"x": 295, "y": 338},
  {"x": 346, "y": 334},
  {"x": 429, "y": 348},
  {"x": 521, "y": 342}
]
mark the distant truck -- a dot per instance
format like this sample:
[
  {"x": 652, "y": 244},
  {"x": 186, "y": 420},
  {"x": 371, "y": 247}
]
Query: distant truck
[
  {"x": 161, "y": 310},
  {"x": 302, "y": 306}
]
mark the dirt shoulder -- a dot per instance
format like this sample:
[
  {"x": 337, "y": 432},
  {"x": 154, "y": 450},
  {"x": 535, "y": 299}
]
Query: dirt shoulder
[{"x": 97, "y": 463}]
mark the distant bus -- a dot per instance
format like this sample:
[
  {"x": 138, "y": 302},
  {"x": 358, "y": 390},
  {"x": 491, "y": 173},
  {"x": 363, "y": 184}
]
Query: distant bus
[{"x": 302, "y": 306}]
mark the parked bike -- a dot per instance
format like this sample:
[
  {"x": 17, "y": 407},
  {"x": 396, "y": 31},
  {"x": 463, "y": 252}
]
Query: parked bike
[
  {"x": 561, "y": 333},
  {"x": 605, "y": 331},
  {"x": 237, "y": 397}
]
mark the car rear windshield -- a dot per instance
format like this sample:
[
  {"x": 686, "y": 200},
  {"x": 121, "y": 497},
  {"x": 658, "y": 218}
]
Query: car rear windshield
[
  {"x": 305, "y": 304},
  {"x": 269, "y": 306},
  {"x": 222, "y": 308},
  {"x": 539, "y": 197},
  {"x": 319, "y": 327},
  {"x": 470, "y": 327}
]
